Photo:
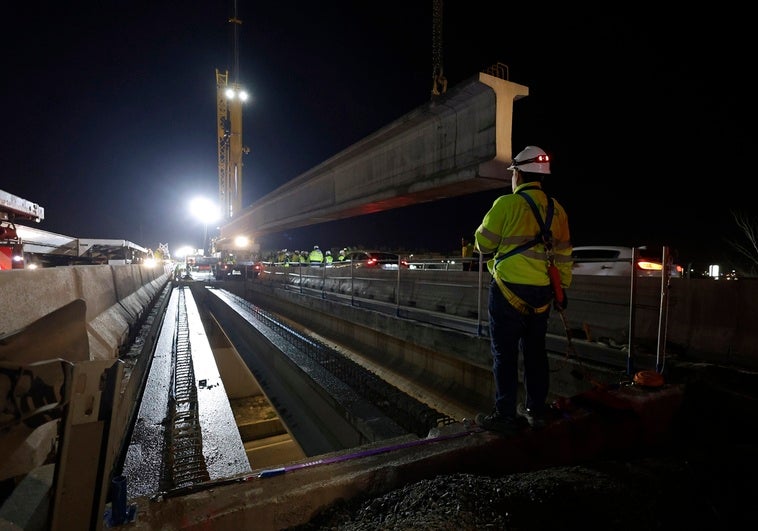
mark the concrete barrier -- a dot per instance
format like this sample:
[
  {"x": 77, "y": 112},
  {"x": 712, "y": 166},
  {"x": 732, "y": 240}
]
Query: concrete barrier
[{"x": 115, "y": 297}]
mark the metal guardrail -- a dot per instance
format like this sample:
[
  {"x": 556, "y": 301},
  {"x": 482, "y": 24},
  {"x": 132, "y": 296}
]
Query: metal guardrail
[
  {"x": 410, "y": 293},
  {"x": 457, "y": 300}
]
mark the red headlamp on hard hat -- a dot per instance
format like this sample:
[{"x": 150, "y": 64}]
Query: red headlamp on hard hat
[
  {"x": 531, "y": 160},
  {"x": 538, "y": 158}
]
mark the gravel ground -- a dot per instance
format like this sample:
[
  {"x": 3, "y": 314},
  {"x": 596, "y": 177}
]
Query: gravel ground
[
  {"x": 704, "y": 478},
  {"x": 702, "y": 488}
]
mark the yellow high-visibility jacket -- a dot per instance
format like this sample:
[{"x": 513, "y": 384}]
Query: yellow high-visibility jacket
[
  {"x": 316, "y": 256},
  {"x": 509, "y": 223}
]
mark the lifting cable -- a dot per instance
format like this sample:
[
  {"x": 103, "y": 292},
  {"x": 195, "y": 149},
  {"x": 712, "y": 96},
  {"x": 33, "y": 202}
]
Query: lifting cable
[{"x": 439, "y": 82}]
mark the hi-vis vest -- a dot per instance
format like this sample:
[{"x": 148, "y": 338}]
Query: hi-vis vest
[
  {"x": 316, "y": 256},
  {"x": 510, "y": 223}
]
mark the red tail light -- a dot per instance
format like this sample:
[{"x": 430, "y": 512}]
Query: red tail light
[
  {"x": 647, "y": 265},
  {"x": 371, "y": 261}
]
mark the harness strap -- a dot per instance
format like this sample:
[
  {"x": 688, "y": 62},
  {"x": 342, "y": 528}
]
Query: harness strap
[
  {"x": 517, "y": 302},
  {"x": 545, "y": 235}
]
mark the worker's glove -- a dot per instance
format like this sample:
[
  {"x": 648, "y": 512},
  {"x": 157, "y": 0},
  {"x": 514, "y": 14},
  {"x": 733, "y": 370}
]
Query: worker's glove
[{"x": 560, "y": 306}]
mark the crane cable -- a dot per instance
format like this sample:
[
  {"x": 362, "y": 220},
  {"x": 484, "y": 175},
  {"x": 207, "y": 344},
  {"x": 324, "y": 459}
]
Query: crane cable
[
  {"x": 439, "y": 82},
  {"x": 236, "y": 24}
]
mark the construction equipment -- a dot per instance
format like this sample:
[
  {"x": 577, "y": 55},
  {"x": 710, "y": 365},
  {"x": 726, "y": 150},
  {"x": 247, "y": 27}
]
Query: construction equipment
[
  {"x": 11, "y": 249},
  {"x": 13, "y": 207},
  {"x": 11, "y": 246},
  {"x": 234, "y": 256},
  {"x": 229, "y": 100},
  {"x": 238, "y": 258},
  {"x": 23, "y": 247}
]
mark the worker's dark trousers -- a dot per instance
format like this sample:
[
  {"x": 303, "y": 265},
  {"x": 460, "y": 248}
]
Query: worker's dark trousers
[{"x": 511, "y": 333}]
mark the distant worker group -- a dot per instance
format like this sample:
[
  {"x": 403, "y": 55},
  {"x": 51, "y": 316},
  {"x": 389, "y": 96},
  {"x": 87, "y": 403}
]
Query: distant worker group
[{"x": 315, "y": 257}]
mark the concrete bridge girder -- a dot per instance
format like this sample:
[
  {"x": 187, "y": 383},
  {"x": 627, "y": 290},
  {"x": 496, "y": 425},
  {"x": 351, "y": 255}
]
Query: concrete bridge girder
[{"x": 455, "y": 145}]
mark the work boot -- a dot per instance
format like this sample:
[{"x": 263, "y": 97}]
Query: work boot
[
  {"x": 500, "y": 423},
  {"x": 535, "y": 419}
]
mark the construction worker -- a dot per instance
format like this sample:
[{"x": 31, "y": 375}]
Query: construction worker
[
  {"x": 316, "y": 257},
  {"x": 187, "y": 275},
  {"x": 467, "y": 253},
  {"x": 329, "y": 258},
  {"x": 178, "y": 271},
  {"x": 520, "y": 293},
  {"x": 281, "y": 256},
  {"x": 341, "y": 257}
]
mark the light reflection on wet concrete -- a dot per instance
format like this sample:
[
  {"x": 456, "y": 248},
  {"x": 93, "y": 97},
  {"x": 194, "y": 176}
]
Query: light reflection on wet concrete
[{"x": 223, "y": 449}]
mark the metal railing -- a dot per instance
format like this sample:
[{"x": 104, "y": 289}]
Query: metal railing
[{"x": 435, "y": 291}]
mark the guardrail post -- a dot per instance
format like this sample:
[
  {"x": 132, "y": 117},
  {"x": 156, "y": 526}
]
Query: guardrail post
[
  {"x": 397, "y": 289},
  {"x": 663, "y": 315},
  {"x": 632, "y": 305},
  {"x": 352, "y": 285}
]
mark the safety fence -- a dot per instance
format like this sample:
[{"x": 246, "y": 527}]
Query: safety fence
[
  {"x": 438, "y": 296},
  {"x": 697, "y": 318}
]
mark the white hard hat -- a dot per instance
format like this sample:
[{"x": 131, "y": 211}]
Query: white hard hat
[
  {"x": 531, "y": 160},
  {"x": 328, "y": 251}
]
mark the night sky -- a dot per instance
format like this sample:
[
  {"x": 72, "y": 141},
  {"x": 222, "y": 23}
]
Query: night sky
[{"x": 110, "y": 112}]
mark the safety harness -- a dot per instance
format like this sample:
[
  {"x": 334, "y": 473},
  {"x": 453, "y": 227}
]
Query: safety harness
[{"x": 545, "y": 237}]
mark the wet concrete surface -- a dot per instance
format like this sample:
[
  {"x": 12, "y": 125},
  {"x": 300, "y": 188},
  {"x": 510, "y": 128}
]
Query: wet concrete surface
[{"x": 223, "y": 451}]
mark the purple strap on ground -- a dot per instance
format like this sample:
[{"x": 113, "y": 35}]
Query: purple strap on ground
[{"x": 364, "y": 453}]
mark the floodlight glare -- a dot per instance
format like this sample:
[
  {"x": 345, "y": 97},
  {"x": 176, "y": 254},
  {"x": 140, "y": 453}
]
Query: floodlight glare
[{"x": 205, "y": 210}]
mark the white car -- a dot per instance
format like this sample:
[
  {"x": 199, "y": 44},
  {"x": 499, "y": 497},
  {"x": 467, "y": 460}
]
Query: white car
[{"x": 607, "y": 260}]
